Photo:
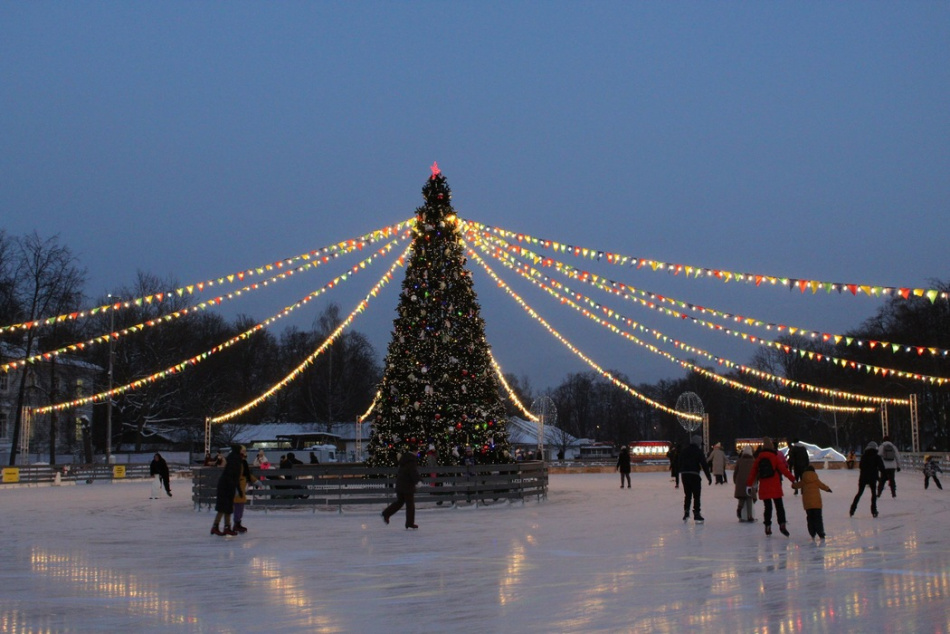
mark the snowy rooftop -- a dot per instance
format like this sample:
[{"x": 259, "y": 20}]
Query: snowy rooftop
[{"x": 592, "y": 558}]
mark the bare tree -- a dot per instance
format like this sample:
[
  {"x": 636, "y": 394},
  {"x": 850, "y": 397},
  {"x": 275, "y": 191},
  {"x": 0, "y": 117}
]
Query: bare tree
[{"x": 46, "y": 280}]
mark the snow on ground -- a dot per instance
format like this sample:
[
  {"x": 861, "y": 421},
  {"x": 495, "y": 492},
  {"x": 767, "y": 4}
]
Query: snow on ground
[{"x": 592, "y": 558}]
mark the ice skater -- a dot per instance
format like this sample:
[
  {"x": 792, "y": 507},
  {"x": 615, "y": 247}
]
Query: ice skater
[
  {"x": 870, "y": 470},
  {"x": 744, "y": 511},
  {"x": 768, "y": 470},
  {"x": 407, "y": 477},
  {"x": 623, "y": 466},
  {"x": 717, "y": 463},
  {"x": 692, "y": 463},
  {"x": 931, "y": 467},
  {"x": 227, "y": 489},
  {"x": 158, "y": 467},
  {"x": 797, "y": 460},
  {"x": 892, "y": 462},
  {"x": 811, "y": 487},
  {"x": 674, "y": 457}
]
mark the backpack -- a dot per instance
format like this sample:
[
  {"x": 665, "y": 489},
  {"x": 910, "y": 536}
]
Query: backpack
[
  {"x": 889, "y": 452},
  {"x": 766, "y": 470}
]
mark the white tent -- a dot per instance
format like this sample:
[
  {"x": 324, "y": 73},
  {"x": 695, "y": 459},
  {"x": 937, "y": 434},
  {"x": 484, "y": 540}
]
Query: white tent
[{"x": 818, "y": 454}]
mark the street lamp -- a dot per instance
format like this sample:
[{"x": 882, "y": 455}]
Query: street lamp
[{"x": 109, "y": 379}]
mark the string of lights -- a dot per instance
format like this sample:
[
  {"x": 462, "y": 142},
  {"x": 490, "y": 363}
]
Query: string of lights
[
  {"x": 313, "y": 258},
  {"x": 511, "y": 393},
  {"x": 296, "y": 372},
  {"x": 810, "y": 355},
  {"x": 757, "y": 279},
  {"x": 209, "y": 304},
  {"x": 183, "y": 365},
  {"x": 552, "y": 286},
  {"x": 653, "y": 300},
  {"x": 684, "y": 364},
  {"x": 607, "y": 375}
]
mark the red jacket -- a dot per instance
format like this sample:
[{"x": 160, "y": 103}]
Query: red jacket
[{"x": 770, "y": 488}]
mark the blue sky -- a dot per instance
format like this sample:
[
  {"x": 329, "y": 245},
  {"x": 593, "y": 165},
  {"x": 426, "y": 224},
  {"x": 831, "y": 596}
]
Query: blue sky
[{"x": 193, "y": 140}]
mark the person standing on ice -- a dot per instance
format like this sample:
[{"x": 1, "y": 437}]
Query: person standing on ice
[
  {"x": 623, "y": 466},
  {"x": 227, "y": 489},
  {"x": 811, "y": 487},
  {"x": 768, "y": 469},
  {"x": 798, "y": 460},
  {"x": 892, "y": 463},
  {"x": 158, "y": 467},
  {"x": 240, "y": 498},
  {"x": 870, "y": 470},
  {"x": 407, "y": 476},
  {"x": 692, "y": 463},
  {"x": 674, "y": 457},
  {"x": 717, "y": 463},
  {"x": 931, "y": 467},
  {"x": 739, "y": 477}
]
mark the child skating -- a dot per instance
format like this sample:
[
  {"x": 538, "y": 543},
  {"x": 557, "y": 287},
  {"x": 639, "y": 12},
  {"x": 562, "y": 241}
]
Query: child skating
[{"x": 811, "y": 487}]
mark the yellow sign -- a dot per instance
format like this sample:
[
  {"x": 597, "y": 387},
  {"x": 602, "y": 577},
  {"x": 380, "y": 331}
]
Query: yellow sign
[
  {"x": 11, "y": 475},
  {"x": 118, "y": 471}
]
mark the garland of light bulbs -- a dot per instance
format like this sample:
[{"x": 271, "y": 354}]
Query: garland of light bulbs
[
  {"x": 607, "y": 375},
  {"x": 321, "y": 256},
  {"x": 511, "y": 393},
  {"x": 531, "y": 274},
  {"x": 689, "y": 366},
  {"x": 647, "y": 298},
  {"x": 296, "y": 372},
  {"x": 193, "y": 361},
  {"x": 621, "y": 289},
  {"x": 757, "y": 279},
  {"x": 157, "y": 321}
]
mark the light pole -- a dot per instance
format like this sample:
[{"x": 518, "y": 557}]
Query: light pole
[{"x": 109, "y": 380}]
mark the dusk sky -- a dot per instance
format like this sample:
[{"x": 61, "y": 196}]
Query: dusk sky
[{"x": 195, "y": 139}]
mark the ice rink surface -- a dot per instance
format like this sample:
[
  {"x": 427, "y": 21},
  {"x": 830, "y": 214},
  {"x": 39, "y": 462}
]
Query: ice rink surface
[{"x": 591, "y": 558}]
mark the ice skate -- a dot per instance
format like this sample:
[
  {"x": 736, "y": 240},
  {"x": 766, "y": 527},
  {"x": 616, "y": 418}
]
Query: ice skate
[
  {"x": 215, "y": 530},
  {"x": 783, "y": 530}
]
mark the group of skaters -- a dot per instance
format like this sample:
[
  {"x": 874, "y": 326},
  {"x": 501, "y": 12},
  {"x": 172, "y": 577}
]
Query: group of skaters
[{"x": 758, "y": 476}]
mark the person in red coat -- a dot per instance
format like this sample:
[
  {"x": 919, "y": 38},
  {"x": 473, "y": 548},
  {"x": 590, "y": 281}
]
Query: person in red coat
[{"x": 770, "y": 484}]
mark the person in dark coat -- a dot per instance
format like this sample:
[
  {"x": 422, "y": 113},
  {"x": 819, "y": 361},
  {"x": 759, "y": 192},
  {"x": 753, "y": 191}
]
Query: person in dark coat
[
  {"x": 406, "y": 479},
  {"x": 770, "y": 486},
  {"x": 742, "y": 493},
  {"x": 674, "y": 455},
  {"x": 692, "y": 463},
  {"x": 159, "y": 467},
  {"x": 797, "y": 460},
  {"x": 228, "y": 488},
  {"x": 623, "y": 466},
  {"x": 870, "y": 471}
]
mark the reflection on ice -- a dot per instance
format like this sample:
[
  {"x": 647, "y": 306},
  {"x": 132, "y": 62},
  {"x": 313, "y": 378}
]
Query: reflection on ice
[{"x": 589, "y": 559}]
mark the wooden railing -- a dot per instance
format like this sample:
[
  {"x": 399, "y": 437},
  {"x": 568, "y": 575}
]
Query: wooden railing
[
  {"x": 335, "y": 486},
  {"x": 77, "y": 473}
]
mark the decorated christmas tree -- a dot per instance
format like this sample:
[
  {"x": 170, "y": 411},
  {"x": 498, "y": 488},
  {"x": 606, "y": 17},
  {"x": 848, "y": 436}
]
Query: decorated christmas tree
[{"x": 439, "y": 388}]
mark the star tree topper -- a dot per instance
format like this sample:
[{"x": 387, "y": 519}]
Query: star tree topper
[{"x": 435, "y": 169}]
